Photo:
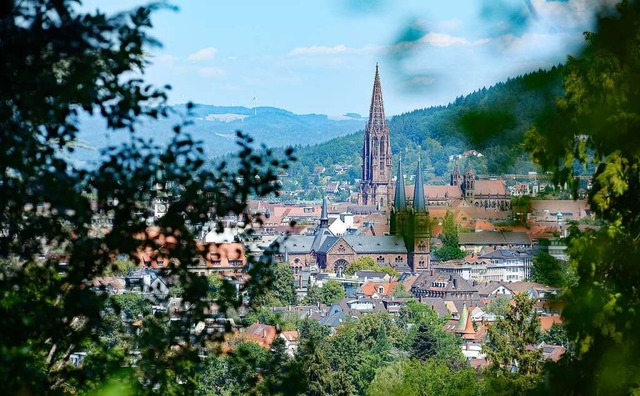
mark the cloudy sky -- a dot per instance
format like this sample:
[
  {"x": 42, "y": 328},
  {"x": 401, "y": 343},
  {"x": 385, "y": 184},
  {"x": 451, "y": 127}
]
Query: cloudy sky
[{"x": 319, "y": 56}]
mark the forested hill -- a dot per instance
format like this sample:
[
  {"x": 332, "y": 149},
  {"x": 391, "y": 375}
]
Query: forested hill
[
  {"x": 216, "y": 127},
  {"x": 492, "y": 121}
]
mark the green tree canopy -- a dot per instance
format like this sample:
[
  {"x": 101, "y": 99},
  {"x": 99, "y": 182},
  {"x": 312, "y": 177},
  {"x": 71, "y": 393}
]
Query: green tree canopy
[
  {"x": 411, "y": 377},
  {"x": 450, "y": 249},
  {"x": 331, "y": 292},
  {"x": 61, "y": 63},
  {"x": 596, "y": 124},
  {"x": 281, "y": 290},
  {"x": 510, "y": 345},
  {"x": 367, "y": 263},
  {"x": 550, "y": 271}
]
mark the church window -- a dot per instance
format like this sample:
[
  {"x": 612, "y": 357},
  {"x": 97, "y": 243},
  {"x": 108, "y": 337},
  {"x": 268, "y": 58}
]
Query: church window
[
  {"x": 398, "y": 259},
  {"x": 380, "y": 260},
  {"x": 341, "y": 249}
]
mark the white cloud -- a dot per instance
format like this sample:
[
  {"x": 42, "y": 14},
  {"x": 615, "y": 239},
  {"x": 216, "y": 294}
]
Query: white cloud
[
  {"x": 203, "y": 54},
  {"x": 210, "y": 71},
  {"x": 320, "y": 50},
  {"x": 446, "y": 40},
  {"x": 447, "y": 24}
]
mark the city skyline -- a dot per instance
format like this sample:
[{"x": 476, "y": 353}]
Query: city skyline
[{"x": 317, "y": 57}]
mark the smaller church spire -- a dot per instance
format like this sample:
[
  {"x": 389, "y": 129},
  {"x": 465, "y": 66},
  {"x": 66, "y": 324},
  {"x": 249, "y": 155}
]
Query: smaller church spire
[
  {"x": 469, "y": 169},
  {"x": 419, "y": 204},
  {"x": 324, "y": 217},
  {"x": 400, "y": 198}
]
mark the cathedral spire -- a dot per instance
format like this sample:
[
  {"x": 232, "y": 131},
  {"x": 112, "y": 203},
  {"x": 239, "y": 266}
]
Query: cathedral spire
[
  {"x": 376, "y": 111},
  {"x": 400, "y": 198},
  {"x": 419, "y": 204},
  {"x": 376, "y": 185}
]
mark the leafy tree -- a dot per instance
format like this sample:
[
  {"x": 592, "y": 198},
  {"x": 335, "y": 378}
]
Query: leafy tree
[
  {"x": 367, "y": 263},
  {"x": 550, "y": 271},
  {"x": 283, "y": 375},
  {"x": 520, "y": 207},
  {"x": 360, "y": 264},
  {"x": 313, "y": 295},
  {"x": 282, "y": 291},
  {"x": 331, "y": 292},
  {"x": 450, "y": 249},
  {"x": 310, "y": 329},
  {"x": 595, "y": 125},
  {"x": 509, "y": 342},
  {"x": 432, "y": 342},
  {"x": 556, "y": 335},
  {"x": 499, "y": 306},
  {"x": 401, "y": 292},
  {"x": 285, "y": 321},
  {"x": 121, "y": 266},
  {"x": 411, "y": 377},
  {"x": 132, "y": 305},
  {"x": 415, "y": 313},
  {"x": 315, "y": 366},
  {"x": 246, "y": 364},
  {"x": 59, "y": 64},
  {"x": 216, "y": 378}
]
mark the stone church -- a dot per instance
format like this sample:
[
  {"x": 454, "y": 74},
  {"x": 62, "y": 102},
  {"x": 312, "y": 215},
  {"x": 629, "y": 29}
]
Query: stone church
[{"x": 488, "y": 194}]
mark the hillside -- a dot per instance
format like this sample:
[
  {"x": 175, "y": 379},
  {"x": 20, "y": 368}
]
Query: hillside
[
  {"x": 491, "y": 120},
  {"x": 216, "y": 125}
]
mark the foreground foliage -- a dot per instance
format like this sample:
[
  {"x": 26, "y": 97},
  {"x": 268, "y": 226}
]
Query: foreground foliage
[
  {"x": 58, "y": 63},
  {"x": 597, "y": 123}
]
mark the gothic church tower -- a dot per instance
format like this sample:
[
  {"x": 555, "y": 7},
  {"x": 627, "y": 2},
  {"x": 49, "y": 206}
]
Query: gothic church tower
[
  {"x": 376, "y": 186},
  {"x": 412, "y": 224}
]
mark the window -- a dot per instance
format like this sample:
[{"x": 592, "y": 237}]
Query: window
[
  {"x": 398, "y": 259},
  {"x": 380, "y": 260}
]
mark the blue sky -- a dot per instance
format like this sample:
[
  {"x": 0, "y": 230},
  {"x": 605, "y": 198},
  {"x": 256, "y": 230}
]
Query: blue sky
[{"x": 319, "y": 56}]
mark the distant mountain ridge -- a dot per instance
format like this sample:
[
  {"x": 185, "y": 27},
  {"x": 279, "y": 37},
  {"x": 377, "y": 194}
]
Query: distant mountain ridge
[{"x": 216, "y": 127}]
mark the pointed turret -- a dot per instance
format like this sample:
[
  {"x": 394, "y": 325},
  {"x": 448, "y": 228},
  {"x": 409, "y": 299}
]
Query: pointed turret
[
  {"x": 469, "y": 170},
  {"x": 469, "y": 181},
  {"x": 468, "y": 333},
  {"x": 400, "y": 198},
  {"x": 376, "y": 111},
  {"x": 456, "y": 176},
  {"x": 324, "y": 217},
  {"x": 419, "y": 204},
  {"x": 462, "y": 321}
]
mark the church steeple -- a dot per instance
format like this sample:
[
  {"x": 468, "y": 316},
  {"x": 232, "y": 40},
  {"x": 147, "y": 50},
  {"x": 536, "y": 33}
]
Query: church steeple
[
  {"x": 456, "y": 176},
  {"x": 419, "y": 204},
  {"x": 324, "y": 217},
  {"x": 400, "y": 198},
  {"x": 376, "y": 184},
  {"x": 377, "y": 119}
]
